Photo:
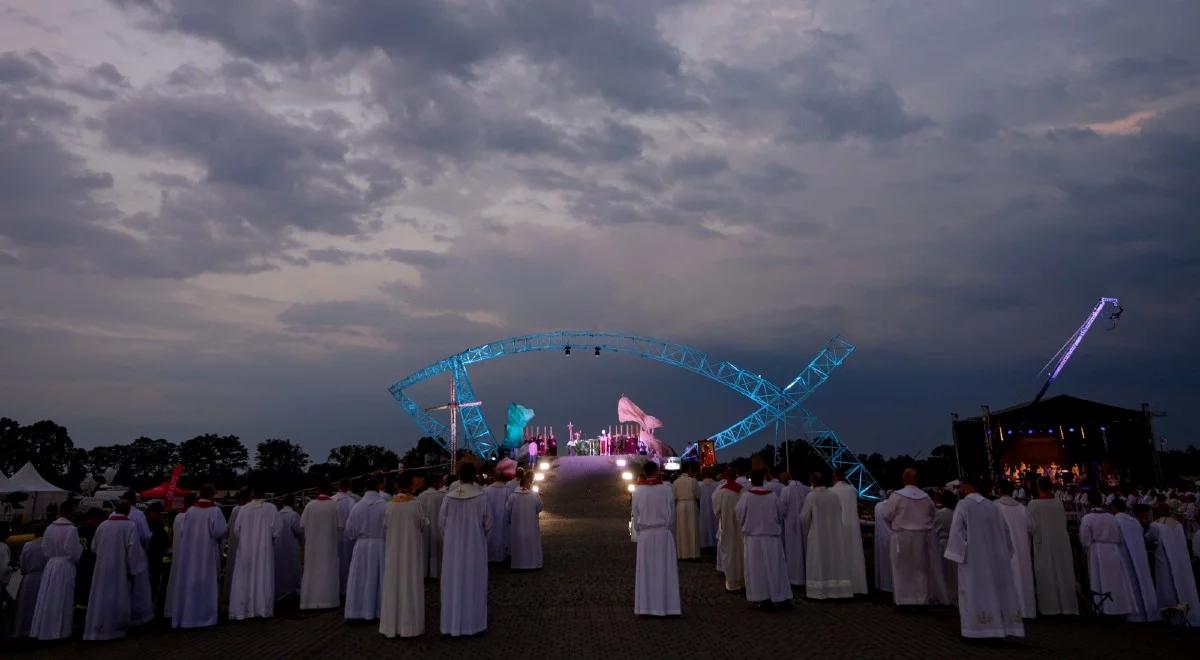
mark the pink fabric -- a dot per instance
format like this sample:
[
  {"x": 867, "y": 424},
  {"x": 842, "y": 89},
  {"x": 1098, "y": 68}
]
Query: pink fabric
[{"x": 628, "y": 411}]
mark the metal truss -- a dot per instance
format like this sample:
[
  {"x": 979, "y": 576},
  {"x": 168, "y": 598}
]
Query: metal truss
[{"x": 775, "y": 403}]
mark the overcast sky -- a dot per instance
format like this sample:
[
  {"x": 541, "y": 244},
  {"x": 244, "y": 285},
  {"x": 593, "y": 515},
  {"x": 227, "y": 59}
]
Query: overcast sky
[{"x": 252, "y": 217}]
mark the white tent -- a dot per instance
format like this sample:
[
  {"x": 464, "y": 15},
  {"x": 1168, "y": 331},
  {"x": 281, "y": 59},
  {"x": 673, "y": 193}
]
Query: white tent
[{"x": 41, "y": 492}]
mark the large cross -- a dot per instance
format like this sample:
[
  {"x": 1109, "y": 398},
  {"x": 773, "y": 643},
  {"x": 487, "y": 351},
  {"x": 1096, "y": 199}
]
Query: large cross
[{"x": 453, "y": 407}]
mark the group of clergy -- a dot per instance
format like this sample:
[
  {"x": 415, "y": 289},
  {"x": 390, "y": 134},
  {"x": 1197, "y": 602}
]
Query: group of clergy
[
  {"x": 371, "y": 554},
  {"x": 1001, "y": 561}
]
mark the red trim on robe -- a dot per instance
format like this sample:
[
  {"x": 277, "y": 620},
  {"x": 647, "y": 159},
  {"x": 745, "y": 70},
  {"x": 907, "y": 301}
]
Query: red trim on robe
[
  {"x": 760, "y": 491},
  {"x": 734, "y": 486}
]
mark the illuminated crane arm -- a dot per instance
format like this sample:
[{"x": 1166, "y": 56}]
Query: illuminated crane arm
[{"x": 1059, "y": 360}]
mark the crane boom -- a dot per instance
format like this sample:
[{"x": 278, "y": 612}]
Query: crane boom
[{"x": 1059, "y": 360}]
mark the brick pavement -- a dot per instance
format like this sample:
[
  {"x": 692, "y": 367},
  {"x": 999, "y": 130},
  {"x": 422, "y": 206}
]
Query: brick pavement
[{"x": 581, "y": 606}]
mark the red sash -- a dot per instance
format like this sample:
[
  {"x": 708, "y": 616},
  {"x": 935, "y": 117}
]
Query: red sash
[
  {"x": 323, "y": 497},
  {"x": 734, "y": 486}
]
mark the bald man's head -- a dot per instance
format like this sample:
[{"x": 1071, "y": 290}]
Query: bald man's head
[{"x": 909, "y": 477}]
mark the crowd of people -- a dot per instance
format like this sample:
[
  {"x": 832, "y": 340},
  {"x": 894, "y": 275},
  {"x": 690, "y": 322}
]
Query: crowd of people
[
  {"x": 1001, "y": 560},
  {"x": 370, "y": 554}
]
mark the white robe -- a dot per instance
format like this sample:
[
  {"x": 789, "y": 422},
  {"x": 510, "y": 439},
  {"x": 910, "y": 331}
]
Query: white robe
[
  {"x": 498, "y": 541},
  {"x": 402, "y": 606},
  {"x": 431, "y": 503},
  {"x": 760, "y": 514},
  {"x": 345, "y": 502},
  {"x": 942, "y": 519},
  {"x": 852, "y": 528},
  {"x": 196, "y": 566},
  {"x": 523, "y": 508},
  {"x": 320, "y": 582},
  {"x": 826, "y": 558},
  {"x": 1137, "y": 567},
  {"x": 686, "y": 491},
  {"x": 1101, "y": 539},
  {"x": 54, "y": 612},
  {"x": 730, "y": 550},
  {"x": 33, "y": 562},
  {"x": 1053, "y": 564},
  {"x": 119, "y": 559},
  {"x": 1173, "y": 576},
  {"x": 708, "y": 520},
  {"x": 915, "y": 554},
  {"x": 252, "y": 589},
  {"x": 883, "y": 549},
  {"x": 656, "y": 583},
  {"x": 464, "y": 519},
  {"x": 793, "y": 530},
  {"x": 1017, "y": 519},
  {"x": 981, "y": 546},
  {"x": 142, "y": 605},
  {"x": 363, "y": 584},
  {"x": 287, "y": 553}
]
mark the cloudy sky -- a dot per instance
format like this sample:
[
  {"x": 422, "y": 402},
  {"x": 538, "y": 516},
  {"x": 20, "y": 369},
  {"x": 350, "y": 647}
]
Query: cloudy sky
[{"x": 252, "y": 217}]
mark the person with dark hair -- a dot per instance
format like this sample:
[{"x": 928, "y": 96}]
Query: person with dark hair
[
  {"x": 1053, "y": 566},
  {"x": 431, "y": 505},
  {"x": 497, "y": 494},
  {"x": 402, "y": 607},
  {"x": 760, "y": 515},
  {"x": 852, "y": 528},
  {"x": 156, "y": 551},
  {"x": 192, "y": 590},
  {"x": 54, "y": 609},
  {"x": 287, "y": 549},
  {"x": 912, "y": 551},
  {"x": 828, "y": 571},
  {"x": 1101, "y": 538},
  {"x": 32, "y": 562},
  {"x": 465, "y": 520},
  {"x": 252, "y": 590},
  {"x": 987, "y": 598},
  {"x": 656, "y": 582},
  {"x": 729, "y": 533},
  {"x": 1173, "y": 575},
  {"x": 345, "y": 503},
  {"x": 793, "y": 499},
  {"x": 319, "y": 584},
  {"x": 1137, "y": 564},
  {"x": 119, "y": 562},
  {"x": 365, "y": 525}
]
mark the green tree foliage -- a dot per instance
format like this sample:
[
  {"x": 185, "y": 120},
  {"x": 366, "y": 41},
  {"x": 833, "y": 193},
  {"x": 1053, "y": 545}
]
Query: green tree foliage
[
  {"x": 46, "y": 444},
  {"x": 428, "y": 451},
  {"x": 279, "y": 465},
  {"x": 353, "y": 460},
  {"x": 214, "y": 458}
]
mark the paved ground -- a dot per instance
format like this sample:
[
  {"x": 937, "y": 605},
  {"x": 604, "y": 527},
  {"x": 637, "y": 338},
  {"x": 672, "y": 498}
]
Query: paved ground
[{"x": 581, "y": 606}]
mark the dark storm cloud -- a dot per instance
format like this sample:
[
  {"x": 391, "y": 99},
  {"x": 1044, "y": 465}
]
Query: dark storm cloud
[{"x": 696, "y": 165}]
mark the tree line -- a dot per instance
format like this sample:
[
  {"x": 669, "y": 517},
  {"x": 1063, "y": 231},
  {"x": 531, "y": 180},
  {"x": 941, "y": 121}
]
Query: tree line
[{"x": 224, "y": 460}]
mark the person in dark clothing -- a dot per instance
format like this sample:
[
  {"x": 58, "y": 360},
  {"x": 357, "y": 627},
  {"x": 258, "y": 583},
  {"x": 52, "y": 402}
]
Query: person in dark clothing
[{"x": 155, "y": 553}]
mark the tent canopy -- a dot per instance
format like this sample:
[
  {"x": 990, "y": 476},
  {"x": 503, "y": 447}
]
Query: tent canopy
[{"x": 27, "y": 480}]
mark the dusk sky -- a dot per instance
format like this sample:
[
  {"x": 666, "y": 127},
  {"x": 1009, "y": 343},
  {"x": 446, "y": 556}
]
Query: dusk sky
[{"x": 252, "y": 217}]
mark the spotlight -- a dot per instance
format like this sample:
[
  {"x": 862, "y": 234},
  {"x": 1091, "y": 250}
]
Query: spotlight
[
  {"x": 536, "y": 489},
  {"x": 631, "y": 488},
  {"x": 597, "y": 353},
  {"x": 567, "y": 350},
  {"x": 620, "y": 462},
  {"x": 544, "y": 465},
  {"x": 627, "y": 475},
  {"x": 539, "y": 476}
]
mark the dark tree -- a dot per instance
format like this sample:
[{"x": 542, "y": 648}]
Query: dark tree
[
  {"x": 46, "y": 444},
  {"x": 353, "y": 460},
  {"x": 147, "y": 462},
  {"x": 427, "y": 452},
  {"x": 215, "y": 458},
  {"x": 280, "y": 456}
]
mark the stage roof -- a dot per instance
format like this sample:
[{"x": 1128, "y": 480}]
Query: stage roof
[{"x": 1063, "y": 406}]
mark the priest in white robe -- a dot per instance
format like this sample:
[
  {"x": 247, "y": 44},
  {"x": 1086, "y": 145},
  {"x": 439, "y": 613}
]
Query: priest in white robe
[
  {"x": 119, "y": 559},
  {"x": 729, "y": 533},
  {"x": 980, "y": 544},
  {"x": 231, "y": 545},
  {"x": 708, "y": 520},
  {"x": 365, "y": 525},
  {"x": 1053, "y": 564},
  {"x": 142, "y": 604},
  {"x": 793, "y": 530},
  {"x": 1137, "y": 564},
  {"x": 943, "y": 516},
  {"x": 525, "y": 534},
  {"x": 320, "y": 581},
  {"x": 54, "y": 611},
  {"x": 883, "y": 548},
  {"x": 431, "y": 504},
  {"x": 345, "y": 503},
  {"x": 287, "y": 550},
  {"x": 687, "y": 516},
  {"x": 1102, "y": 541},
  {"x": 465, "y": 520},
  {"x": 252, "y": 590},
  {"x": 852, "y": 528},
  {"x": 32, "y": 563},
  {"x": 914, "y": 552},
  {"x": 497, "y": 496},
  {"x": 402, "y": 607},
  {"x": 656, "y": 583},
  {"x": 1173, "y": 576},
  {"x": 1017, "y": 519},
  {"x": 760, "y": 514},
  {"x": 196, "y": 563},
  {"x": 827, "y": 570}
]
